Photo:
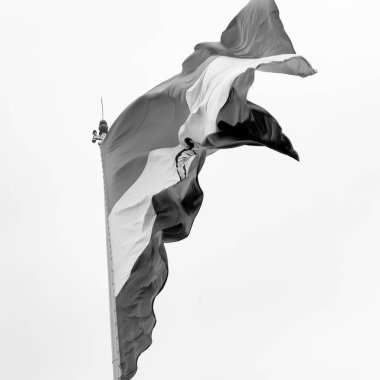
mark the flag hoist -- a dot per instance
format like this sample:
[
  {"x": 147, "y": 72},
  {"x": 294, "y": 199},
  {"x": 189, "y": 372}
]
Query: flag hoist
[{"x": 98, "y": 136}]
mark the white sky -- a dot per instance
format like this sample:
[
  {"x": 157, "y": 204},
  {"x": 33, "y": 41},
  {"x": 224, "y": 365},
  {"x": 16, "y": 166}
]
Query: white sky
[{"x": 279, "y": 278}]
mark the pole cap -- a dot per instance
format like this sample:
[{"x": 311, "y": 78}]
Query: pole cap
[{"x": 103, "y": 127}]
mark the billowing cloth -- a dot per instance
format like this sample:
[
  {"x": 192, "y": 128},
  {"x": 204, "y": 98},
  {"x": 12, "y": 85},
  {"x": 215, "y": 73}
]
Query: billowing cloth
[{"x": 155, "y": 149}]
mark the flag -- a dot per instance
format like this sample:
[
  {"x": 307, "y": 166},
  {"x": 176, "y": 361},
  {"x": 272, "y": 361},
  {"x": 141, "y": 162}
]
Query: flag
[{"x": 155, "y": 149}]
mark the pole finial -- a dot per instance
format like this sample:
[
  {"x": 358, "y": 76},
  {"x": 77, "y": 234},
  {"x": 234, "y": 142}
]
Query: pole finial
[{"x": 103, "y": 128}]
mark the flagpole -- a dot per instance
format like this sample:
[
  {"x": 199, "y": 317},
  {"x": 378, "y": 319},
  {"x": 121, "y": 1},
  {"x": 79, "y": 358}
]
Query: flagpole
[
  {"x": 111, "y": 287},
  {"x": 103, "y": 129}
]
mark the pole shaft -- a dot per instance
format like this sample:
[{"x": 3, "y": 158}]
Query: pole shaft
[{"x": 111, "y": 287}]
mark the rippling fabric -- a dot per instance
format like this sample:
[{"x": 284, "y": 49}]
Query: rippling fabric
[
  {"x": 155, "y": 149},
  {"x": 255, "y": 32},
  {"x": 176, "y": 208},
  {"x": 241, "y": 122}
]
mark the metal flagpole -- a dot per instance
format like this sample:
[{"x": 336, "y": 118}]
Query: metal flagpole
[{"x": 103, "y": 129}]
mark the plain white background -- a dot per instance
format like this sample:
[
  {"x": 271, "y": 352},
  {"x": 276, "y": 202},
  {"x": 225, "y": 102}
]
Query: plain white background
[{"x": 279, "y": 279}]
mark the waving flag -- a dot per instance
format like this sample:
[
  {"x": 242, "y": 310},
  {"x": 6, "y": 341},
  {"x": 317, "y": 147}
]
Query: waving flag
[{"x": 155, "y": 149}]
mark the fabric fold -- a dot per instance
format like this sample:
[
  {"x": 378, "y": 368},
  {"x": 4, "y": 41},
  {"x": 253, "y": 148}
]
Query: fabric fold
[{"x": 155, "y": 149}]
